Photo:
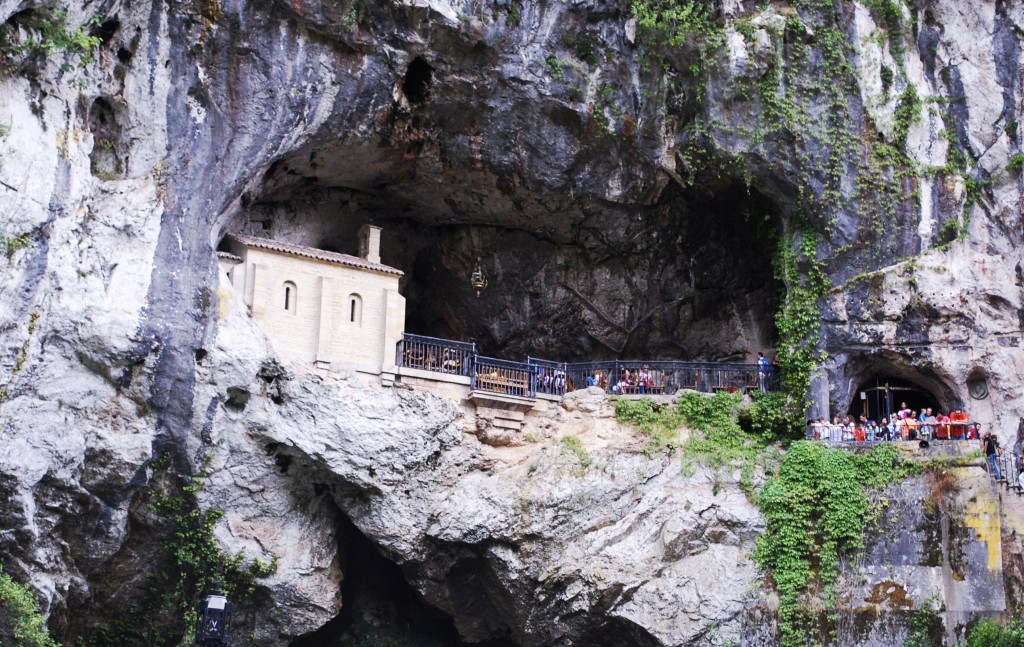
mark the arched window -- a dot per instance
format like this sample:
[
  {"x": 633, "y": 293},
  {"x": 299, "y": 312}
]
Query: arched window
[
  {"x": 291, "y": 297},
  {"x": 355, "y": 309}
]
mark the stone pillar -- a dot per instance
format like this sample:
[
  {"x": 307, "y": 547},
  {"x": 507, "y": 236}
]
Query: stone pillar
[
  {"x": 325, "y": 323},
  {"x": 255, "y": 290},
  {"x": 394, "y": 326}
]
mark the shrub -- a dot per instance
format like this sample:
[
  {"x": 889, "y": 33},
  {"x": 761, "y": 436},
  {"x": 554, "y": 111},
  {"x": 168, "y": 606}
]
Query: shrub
[
  {"x": 989, "y": 633},
  {"x": 1016, "y": 163},
  {"x": 21, "y": 623}
]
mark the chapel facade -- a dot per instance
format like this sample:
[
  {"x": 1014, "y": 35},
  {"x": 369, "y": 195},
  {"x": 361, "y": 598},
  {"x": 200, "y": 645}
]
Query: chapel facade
[{"x": 336, "y": 310}]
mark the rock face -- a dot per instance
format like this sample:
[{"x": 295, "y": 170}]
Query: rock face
[
  {"x": 526, "y": 544},
  {"x": 620, "y": 206}
]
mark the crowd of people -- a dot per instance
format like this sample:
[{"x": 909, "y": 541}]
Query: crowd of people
[
  {"x": 904, "y": 424},
  {"x": 629, "y": 381}
]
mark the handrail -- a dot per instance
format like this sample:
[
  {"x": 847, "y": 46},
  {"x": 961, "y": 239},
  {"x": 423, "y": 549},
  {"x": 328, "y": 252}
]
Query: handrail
[
  {"x": 435, "y": 355},
  {"x": 550, "y": 376},
  {"x": 504, "y": 377},
  {"x": 556, "y": 378}
]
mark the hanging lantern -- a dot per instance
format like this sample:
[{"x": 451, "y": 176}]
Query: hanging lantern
[{"x": 477, "y": 280}]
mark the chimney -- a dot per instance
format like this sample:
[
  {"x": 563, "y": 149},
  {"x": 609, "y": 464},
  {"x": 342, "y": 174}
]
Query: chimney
[{"x": 369, "y": 243}]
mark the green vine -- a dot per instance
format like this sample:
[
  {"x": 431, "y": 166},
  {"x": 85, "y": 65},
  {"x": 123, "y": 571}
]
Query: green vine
[
  {"x": 49, "y": 34},
  {"x": 815, "y": 510},
  {"x": 798, "y": 320},
  {"x": 717, "y": 438},
  {"x": 671, "y": 22},
  {"x": 193, "y": 561}
]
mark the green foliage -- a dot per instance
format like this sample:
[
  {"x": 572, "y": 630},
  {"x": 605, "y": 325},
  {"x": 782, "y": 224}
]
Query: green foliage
[
  {"x": 1011, "y": 129},
  {"x": 515, "y": 14},
  {"x": 989, "y": 633},
  {"x": 574, "y": 445},
  {"x": 1016, "y": 163},
  {"x": 166, "y": 614},
  {"x": 920, "y": 622},
  {"x": 718, "y": 440},
  {"x": 815, "y": 509},
  {"x": 659, "y": 422},
  {"x": 672, "y": 22},
  {"x": 890, "y": 15},
  {"x": 908, "y": 113},
  {"x": 950, "y": 230},
  {"x": 887, "y": 75},
  {"x": 555, "y": 66},
  {"x": 11, "y": 244},
  {"x": 21, "y": 623},
  {"x": 798, "y": 321},
  {"x": 350, "y": 19},
  {"x": 48, "y": 34},
  {"x": 768, "y": 416}
]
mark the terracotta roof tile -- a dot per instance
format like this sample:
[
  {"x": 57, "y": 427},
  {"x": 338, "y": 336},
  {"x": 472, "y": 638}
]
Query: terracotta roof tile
[{"x": 312, "y": 252}]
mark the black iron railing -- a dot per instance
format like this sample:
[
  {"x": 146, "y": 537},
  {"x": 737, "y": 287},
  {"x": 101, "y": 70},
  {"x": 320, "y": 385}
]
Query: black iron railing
[
  {"x": 550, "y": 376},
  {"x": 557, "y": 378},
  {"x": 505, "y": 377},
  {"x": 437, "y": 355}
]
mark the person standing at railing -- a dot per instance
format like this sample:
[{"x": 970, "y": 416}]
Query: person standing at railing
[
  {"x": 763, "y": 371},
  {"x": 643, "y": 380},
  {"x": 872, "y": 431}
]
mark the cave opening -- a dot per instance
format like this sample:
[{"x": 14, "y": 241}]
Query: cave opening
[
  {"x": 689, "y": 278},
  {"x": 416, "y": 82},
  {"x": 379, "y": 606},
  {"x": 883, "y": 395}
]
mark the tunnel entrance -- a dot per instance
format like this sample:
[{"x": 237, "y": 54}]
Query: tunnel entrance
[{"x": 881, "y": 396}]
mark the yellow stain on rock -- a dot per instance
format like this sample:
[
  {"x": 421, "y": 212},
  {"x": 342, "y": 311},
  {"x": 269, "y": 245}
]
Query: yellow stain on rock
[{"x": 981, "y": 512}]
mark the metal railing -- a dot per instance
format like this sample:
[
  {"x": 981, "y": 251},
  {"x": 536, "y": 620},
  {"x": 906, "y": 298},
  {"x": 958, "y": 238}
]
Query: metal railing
[
  {"x": 551, "y": 376},
  {"x": 436, "y": 355},
  {"x": 504, "y": 377},
  {"x": 557, "y": 378}
]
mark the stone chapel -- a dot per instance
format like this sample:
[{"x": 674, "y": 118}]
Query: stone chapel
[{"x": 337, "y": 310}]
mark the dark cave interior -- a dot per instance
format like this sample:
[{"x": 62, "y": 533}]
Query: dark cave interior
[
  {"x": 689, "y": 277},
  {"x": 380, "y": 608}
]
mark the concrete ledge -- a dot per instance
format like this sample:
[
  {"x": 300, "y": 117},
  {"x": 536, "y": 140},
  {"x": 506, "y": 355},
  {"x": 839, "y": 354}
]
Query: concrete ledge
[
  {"x": 549, "y": 397},
  {"x": 436, "y": 377},
  {"x": 501, "y": 401}
]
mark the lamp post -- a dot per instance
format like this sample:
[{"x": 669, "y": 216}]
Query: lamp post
[
  {"x": 214, "y": 615},
  {"x": 477, "y": 280}
]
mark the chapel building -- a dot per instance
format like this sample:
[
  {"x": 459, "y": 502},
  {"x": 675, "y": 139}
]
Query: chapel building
[{"x": 336, "y": 310}]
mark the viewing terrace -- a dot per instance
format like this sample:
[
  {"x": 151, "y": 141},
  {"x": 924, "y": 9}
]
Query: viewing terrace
[{"x": 551, "y": 379}]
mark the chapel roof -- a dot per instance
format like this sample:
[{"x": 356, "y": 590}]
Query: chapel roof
[{"x": 314, "y": 253}]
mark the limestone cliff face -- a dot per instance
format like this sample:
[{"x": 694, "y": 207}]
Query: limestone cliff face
[{"x": 617, "y": 205}]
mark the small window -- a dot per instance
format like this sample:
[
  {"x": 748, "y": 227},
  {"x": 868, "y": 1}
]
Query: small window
[
  {"x": 355, "y": 309},
  {"x": 291, "y": 296}
]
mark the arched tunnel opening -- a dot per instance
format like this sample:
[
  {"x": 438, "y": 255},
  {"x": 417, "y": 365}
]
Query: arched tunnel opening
[
  {"x": 883, "y": 395},
  {"x": 689, "y": 277}
]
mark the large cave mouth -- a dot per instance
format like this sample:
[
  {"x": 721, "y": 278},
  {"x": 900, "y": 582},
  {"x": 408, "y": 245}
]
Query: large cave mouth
[
  {"x": 379, "y": 606},
  {"x": 569, "y": 277}
]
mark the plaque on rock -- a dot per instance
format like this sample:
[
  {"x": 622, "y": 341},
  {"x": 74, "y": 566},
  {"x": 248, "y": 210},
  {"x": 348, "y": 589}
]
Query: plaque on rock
[{"x": 978, "y": 388}]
